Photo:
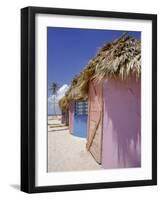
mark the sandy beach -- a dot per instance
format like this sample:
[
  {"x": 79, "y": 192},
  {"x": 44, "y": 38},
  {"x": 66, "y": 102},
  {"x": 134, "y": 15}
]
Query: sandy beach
[{"x": 65, "y": 151}]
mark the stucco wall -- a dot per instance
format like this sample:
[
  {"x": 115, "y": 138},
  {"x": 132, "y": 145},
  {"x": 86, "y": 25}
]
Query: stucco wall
[{"x": 121, "y": 125}]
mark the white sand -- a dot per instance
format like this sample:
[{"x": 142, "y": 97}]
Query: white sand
[{"x": 67, "y": 152}]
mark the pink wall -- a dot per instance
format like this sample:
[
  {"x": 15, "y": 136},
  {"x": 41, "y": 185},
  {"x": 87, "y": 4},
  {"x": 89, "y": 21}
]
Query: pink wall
[
  {"x": 71, "y": 117},
  {"x": 121, "y": 128},
  {"x": 94, "y": 103},
  {"x": 94, "y": 138}
]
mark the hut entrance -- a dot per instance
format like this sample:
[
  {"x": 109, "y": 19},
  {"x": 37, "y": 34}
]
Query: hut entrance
[
  {"x": 94, "y": 139},
  {"x": 80, "y": 119}
]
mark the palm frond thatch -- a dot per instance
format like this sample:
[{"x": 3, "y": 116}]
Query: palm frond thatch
[
  {"x": 122, "y": 59},
  {"x": 116, "y": 60},
  {"x": 64, "y": 103}
]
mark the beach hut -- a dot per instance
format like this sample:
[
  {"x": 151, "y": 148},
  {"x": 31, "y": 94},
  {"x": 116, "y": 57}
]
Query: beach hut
[
  {"x": 80, "y": 118},
  {"x": 64, "y": 105},
  {"x": 77, "y": 108},
  {"x": 113, "y": 85},
  {"x": 71, "y": 116}
]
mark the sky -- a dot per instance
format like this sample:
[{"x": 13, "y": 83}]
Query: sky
[{"x": 70, "y": 49}]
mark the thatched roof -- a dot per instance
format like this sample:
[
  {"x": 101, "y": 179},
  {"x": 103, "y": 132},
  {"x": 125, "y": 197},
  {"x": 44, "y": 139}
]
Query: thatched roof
[
  {"x": 64, "y": 103},
  {"x": 119, "y": 59},
  {"x": 116, "y": 60},
  {"x": 79, "y": 88}
]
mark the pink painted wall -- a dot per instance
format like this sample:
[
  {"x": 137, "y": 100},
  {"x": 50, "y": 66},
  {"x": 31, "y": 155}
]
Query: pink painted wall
[
  {"x": 122, "y": 127},
  {"x": 71, "y": 117},
  {"x": 94, "y": 103},
  {"x": 95, "y": 119}
]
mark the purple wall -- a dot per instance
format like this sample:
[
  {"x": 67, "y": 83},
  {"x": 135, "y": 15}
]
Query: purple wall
[
  {"x": 121, "y": 127},
  {"x": 71, "y": 117}
]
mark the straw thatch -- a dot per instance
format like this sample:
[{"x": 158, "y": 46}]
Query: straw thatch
[
  {"x": 79, "y": 89},
  {"x": 120, "y": 59},
  {"x": 117, "y": 60},
  {"x": 64, "y": 103}
]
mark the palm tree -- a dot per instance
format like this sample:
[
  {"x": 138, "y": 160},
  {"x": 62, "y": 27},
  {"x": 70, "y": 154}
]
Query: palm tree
[{"x": 53, "y": 88}]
